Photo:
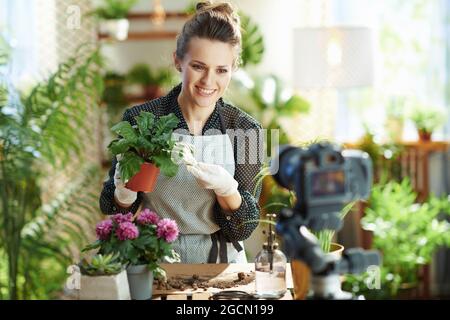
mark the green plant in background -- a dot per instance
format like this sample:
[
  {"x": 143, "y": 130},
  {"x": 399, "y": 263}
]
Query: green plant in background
[
  {"x": 114, "y": 95},
  {"x": 268, "y": 100},
  {"x": 39, "y": 132},
  {"x": 427, "y": 118},
  {"x": 99, "y": 265},
  {"x": 150, "y": 141},
  {"x": 142, "y": 74},
  {"x": 3, "y": 95},
  {"x": 325, "y": 237},
  {"x": 384, "y": 156},
  {"x": 252, "y": 41},
  {"x": 114, "y": 9},
  {"x": 406, "y": 233}
]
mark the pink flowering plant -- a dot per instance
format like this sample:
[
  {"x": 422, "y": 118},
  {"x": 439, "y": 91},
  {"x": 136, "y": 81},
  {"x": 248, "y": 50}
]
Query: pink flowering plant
[{"x": 144, "y": 239}]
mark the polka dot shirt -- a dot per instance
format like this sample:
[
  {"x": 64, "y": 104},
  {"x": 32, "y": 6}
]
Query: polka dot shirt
[{"x": 238, "y": 225}]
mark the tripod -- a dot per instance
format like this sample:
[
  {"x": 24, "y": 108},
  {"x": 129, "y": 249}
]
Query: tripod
[{"x": 302, "y": 245}]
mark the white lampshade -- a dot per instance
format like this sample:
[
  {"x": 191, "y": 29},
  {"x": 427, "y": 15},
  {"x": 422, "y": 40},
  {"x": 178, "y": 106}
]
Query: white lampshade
[{"x": 333, "y": 57}]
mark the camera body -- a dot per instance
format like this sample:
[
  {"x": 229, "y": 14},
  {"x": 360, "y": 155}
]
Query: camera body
[{"x": 324, "y": 179}]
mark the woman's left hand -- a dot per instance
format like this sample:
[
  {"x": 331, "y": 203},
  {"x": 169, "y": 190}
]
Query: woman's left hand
[{"x": 215, "y": 177}]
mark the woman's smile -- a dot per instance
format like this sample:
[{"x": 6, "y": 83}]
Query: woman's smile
[{"x": 205, "y": 92}]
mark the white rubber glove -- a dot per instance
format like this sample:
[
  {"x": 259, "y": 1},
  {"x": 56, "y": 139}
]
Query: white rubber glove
[
  {"x": 123, "y": 194},
  {"x": 215, "y": 177},
  {"x": 183, "y": 152}
]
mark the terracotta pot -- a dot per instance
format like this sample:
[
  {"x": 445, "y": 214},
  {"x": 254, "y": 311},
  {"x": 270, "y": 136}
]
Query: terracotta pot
[
  {"x": 301, "y": 275},
  {"x": 424, "y": 135},
  {"x": 144, "y": 180}
]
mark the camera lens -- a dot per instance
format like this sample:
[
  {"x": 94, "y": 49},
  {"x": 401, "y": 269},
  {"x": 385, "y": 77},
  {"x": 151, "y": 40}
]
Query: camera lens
[{"x": 288, "y": 163}]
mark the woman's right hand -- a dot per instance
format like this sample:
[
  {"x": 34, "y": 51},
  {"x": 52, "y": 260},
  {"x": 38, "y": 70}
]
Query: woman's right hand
[{"x": 122, "y": 194}]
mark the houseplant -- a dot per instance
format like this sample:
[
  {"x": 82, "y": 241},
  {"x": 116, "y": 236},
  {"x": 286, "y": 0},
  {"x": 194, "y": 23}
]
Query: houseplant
[
  {"x": 113, "y": 15},
  {"x": 406, "y": 233},
  {"x": 142, "y": 242},
  {"x": 144, "y": 150},
  {"x": 41, "y": 133},
  {"x": 427, "y": 119},
  {"x": 103, "y": 277},
  {"x": 152, "y": 82}
]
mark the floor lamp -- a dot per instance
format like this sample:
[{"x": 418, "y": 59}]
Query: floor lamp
[{"x": 332, "y": 58}]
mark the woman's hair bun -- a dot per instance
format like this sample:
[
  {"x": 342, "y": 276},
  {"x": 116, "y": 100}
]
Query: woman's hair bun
[
  {"x": 222, "y": 7},
  {"x": 202, "y": 4}
]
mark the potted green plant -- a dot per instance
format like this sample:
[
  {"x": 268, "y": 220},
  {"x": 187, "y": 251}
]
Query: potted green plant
[
  {"x": 427, "y": 119},
  {"x": 113, "y": 16},
  {"x": 406, "y": 233},
  {"x": 144, "y": 150},
  {"x": 103, "y": 277},
  {"x": 151, "y": 83},
  {"x": 141, "y": 242}
]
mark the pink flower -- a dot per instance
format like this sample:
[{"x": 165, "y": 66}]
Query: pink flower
[
  {"x": 147, "y": 217},
  {"x": 103, "y": 229},
  {"x": 127, "y": 230},
  {"x": 119, "y": 218},
  {"x": 167, "y": 229}
]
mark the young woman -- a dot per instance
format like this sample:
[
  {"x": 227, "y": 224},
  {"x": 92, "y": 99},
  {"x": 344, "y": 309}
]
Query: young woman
[{"x": 211, "y": 199}]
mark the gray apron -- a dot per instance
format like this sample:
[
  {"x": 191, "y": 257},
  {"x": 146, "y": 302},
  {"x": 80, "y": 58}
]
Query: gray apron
[{"x": 181, "y": 198}]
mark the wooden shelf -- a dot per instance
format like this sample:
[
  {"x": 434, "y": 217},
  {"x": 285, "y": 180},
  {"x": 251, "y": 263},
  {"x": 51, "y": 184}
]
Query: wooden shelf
[
  {"x": 150, "y": 15},
  {"x": 149, "y": 35}
]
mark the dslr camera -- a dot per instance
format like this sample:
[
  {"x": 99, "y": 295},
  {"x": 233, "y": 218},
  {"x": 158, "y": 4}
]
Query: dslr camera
[{"x": 324, "y": 178}]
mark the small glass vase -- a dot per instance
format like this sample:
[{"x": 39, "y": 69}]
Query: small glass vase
[{"x": 270, "y": 273}]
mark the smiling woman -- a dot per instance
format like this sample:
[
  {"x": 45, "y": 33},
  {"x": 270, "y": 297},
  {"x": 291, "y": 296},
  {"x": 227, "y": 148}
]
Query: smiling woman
[
  {"x": 212, "y": 199},
  {"x": 205, "y": 76}
]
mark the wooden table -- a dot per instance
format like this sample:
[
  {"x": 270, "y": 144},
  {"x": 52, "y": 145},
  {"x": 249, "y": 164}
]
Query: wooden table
[{"x": 211, "y": 271}]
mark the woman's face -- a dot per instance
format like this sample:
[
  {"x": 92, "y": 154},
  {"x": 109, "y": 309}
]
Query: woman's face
[{"x": 205, "y": 71}]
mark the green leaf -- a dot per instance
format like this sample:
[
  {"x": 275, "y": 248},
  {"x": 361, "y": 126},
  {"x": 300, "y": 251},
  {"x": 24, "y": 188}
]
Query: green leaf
[
  {"x": 119, "y": 146},
  {"x": 92, "y": 246},
  {"x": 145, "y": 122},
  {"x": 165, "y": 164},
  {"x": 130, "y": 164},
  {"x": 295, "y": 104},
  {"x": 166, "y": 124},
  {"x": 125, "y": 130}
]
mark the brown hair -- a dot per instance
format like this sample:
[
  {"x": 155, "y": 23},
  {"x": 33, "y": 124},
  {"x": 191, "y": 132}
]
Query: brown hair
[{"x": 211, "y": 21}]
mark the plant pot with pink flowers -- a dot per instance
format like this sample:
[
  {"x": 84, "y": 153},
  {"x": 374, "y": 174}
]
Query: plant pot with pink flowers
[
  {"x": 145, "y": 149},
  {"x": 142, "y": 242}
]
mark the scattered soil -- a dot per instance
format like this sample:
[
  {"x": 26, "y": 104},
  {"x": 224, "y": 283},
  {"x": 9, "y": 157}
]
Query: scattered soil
[{"x": 196, "y": 282}]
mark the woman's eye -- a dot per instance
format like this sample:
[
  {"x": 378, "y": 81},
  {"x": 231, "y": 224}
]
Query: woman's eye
[
  {"x": 222, "y": 70},
  {"x": 197, "y": 67}
]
